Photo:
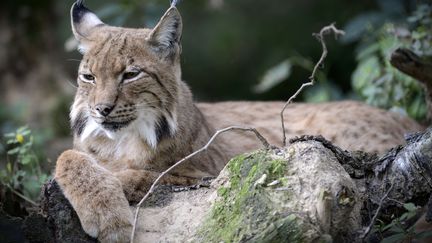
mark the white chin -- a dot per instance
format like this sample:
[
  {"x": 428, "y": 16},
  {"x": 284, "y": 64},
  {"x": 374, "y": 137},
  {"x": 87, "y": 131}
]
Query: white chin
[{"x": 93, "y": 128}]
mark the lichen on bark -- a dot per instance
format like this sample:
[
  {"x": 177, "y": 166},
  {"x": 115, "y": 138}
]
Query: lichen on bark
[{"x": 241, "y": 215}]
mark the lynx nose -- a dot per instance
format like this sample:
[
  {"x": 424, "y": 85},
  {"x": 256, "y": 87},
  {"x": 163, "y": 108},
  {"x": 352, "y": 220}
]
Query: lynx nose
[{"x": 104, "y": 109}]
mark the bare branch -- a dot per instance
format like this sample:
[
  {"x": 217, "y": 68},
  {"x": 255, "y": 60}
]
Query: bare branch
[
  {"x": 320, "y": 36},
  {"x": 372, "y": 222},
  {"x": 205, "y": 147},
  {"x": 409, "y": 63}
]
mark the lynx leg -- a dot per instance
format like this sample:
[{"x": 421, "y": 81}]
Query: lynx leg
[
  {"x": 136, "y": 183},
  {"x": 96, "y": 195}
]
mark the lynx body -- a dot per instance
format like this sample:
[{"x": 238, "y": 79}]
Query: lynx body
[{"x": 133, "y": 117}]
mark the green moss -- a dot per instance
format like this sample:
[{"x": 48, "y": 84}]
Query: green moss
[
  {"x": 277, "y": 169},
  {"x": 248, "y": 212}
]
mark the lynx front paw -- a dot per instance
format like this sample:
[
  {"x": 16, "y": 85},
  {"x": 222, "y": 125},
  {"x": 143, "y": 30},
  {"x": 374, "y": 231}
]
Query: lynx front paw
[
  {"x": 108, "y": 221},
  {"x": 114, "y": 225},
  {"x": 96, "y": 195},
  {"x": 111, "y": 217},
  {"x": 118, "y": 229}
]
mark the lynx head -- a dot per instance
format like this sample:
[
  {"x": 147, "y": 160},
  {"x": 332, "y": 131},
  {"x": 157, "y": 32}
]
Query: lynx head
[{"x": 128, "y": 78}]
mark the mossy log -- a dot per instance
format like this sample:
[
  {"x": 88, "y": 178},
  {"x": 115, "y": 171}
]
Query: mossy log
[
  {"x": 309, "y": 191},
  {"x": 298, "y": 194}
]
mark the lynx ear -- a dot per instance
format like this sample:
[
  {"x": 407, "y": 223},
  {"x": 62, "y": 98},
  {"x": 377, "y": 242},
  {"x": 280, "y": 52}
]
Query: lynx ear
[
  {"x": 167, "y": 33},
  {"x": 83, "y": 23}
]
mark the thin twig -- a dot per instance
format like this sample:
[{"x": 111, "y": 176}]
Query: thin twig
[
  {"x": 22, "y": 196},
  {"x": 320, "y": 37},
  {"x": 372, "y": 222},
  {"x": 205, "y": 147}
]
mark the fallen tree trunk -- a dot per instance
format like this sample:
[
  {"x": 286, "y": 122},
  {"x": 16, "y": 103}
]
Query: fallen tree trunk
[
  {"x": 310, "y": 190},
  {"x": 298, "y": 194}
]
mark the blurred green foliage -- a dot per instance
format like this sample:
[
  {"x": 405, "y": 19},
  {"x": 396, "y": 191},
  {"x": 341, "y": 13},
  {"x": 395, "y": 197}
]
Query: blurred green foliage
[
  {"x": 397, "y": 230},
  {"x": 23, "y": 164},
  {"x": 22, "y": 172},
  {"x": 377, "y": 33},
  {"x": 374, "y": 79},
  {"x": 322, "y": 90}
]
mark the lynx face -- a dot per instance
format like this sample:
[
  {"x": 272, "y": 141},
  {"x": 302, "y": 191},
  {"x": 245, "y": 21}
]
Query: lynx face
[{"x": 128, "y": 78}]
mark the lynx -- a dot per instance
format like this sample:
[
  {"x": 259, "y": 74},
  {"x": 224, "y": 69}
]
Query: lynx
[{"x": 133, "y": 117}]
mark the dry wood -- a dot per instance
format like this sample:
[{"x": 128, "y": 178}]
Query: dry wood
[
  {"x": 320, "y": 36},
  {"x": 409, "y": 63}
]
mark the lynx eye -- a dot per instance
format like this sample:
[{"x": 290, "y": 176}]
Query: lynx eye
[
  {"x": 88, "y": 78},
  {"x": 131, "y": 76}
]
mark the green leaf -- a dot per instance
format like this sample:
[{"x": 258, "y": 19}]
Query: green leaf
[
  {"x": 410, "y": 207},
  {"x": 26, "y": 160},
  {"x": 26, "y": 132},
  {"x": 274, "y": 76},
  {"x": 11, "y": 141},
  {"x": 389, "y": 226},
  {"x": 13, "y": 151},
  {"x": 366, "y": 72},
  {"x": 9, "y": 167},
  {"x": 10, "y": 135},
  {"x": 43, "y": 178},
  {"x": 419, "y": 35},
  {"x": 22, "y": 129},
  {"x": 411, "y": 215}
]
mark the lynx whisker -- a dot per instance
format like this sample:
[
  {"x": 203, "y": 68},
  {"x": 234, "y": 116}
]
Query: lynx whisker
[
  {"x": 72, "y": 84},
  {"x": 145, "y": 104}
]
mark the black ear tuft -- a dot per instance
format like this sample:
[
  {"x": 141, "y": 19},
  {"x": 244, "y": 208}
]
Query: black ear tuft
[
  {"x": 80, "y": 2},
  {"x": 78, "y": 11}
]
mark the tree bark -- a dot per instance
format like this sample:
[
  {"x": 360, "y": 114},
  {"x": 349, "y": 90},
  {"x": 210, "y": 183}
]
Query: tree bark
[{"x": 63, "y": 222}]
